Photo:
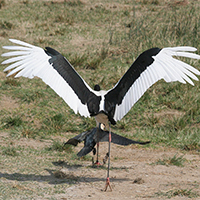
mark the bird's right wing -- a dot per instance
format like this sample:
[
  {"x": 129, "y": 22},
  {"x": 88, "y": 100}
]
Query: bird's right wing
[
  {"x": 55, "y": 70},
  {"x": 118, "y": 139}
]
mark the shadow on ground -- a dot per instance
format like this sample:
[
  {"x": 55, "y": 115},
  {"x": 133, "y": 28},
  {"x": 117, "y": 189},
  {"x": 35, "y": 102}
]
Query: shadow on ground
[{"x": 52, "y": 179}]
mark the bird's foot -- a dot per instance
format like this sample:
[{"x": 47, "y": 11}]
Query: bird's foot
[
  {"x": 108, "y": 184},
  {"x": 97, "y": 164}
]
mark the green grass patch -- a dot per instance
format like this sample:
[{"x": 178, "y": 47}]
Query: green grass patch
[
  {"x": 58, "y": 146},
  {"x": 11, "y": 82},
  {"x": 178, "y": 192},
  {"x": 15, "y": 121},
  {"x": 9, "y": 151},
  {"x": 175, "y": 160}
]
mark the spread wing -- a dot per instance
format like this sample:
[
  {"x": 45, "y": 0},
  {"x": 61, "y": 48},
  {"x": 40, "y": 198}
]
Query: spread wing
[
  {"x": 55, "y": 70},
  {"x": 151, "y": 66}
]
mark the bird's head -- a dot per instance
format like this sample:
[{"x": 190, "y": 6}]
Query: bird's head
[{"x": 97, "y": 88}]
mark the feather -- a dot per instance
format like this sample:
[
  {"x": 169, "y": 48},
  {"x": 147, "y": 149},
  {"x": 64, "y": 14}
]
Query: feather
[{"x": 56, "y": 71}]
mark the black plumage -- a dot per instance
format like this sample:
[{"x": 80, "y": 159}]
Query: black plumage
[
  {"x": 115, "y": 96},
  {"x": 96, "y": 135},
  {"x": 69, "y": 74}
]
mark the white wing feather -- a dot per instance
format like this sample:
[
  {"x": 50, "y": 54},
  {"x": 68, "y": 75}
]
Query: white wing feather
[
  {"x": 166, "y": 67},
  {"x": 32, "y": 61}
]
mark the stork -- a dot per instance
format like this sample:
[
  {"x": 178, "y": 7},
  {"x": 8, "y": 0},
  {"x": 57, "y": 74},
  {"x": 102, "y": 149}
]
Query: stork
[
  {"x": 110, "y": 106},
  {"x": 96, "y": 135}
]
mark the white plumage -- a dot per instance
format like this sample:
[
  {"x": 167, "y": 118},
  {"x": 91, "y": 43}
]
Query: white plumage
[
  {"x": 164, "y": 67},
  {"x": 33, "y": 61},
  {"x": 30, "y": 61}
]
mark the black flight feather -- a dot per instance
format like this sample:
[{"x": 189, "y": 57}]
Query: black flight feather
[
  {"x": 64, "y": 68},
  {"x": 115, "y": 96}
]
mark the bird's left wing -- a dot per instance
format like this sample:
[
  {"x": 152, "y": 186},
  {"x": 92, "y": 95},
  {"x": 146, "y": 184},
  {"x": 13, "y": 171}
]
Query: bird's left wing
[
  {"x": 55, "y": 70},
  {"x": 81, "y": 137},
  {"x": 151, "y": 66}
]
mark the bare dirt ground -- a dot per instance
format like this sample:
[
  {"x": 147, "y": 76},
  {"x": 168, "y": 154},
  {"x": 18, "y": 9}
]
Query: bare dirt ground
[
  {"x": 134, "y": 174},
  {"x": 134, "y": 177}
]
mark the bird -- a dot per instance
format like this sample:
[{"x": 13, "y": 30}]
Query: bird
[
  {"x": 109, "y": 106},
  {"x": 95, "y": 135}
]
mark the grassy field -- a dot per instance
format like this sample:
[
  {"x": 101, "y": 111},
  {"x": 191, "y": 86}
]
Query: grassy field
[{"x": 101, "y": 39}]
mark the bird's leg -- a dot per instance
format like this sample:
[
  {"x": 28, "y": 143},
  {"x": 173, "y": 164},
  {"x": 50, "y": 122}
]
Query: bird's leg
[
  {"x": 97, "y": 161},
  {"x": 108, "y": 178},
  {"x": 94, "y": 152}
]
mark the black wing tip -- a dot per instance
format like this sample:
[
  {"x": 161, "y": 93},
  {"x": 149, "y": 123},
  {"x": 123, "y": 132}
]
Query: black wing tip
[
  {"x": 143, "y": 143},
  {"x": 72, "y": 141},
  {"x": 152, "y": 51},
  {"x": 50, "y": 51}
]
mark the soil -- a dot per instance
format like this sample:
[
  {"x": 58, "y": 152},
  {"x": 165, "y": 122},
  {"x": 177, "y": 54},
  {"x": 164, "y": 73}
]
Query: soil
[{"x": 134, "y": 174}]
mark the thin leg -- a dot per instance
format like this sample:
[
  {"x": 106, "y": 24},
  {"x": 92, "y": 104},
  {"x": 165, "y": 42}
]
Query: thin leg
[
  {"x": 108, "y": 178},
  {"x": 97, "y": 161},
  {"x": 94, "y": 153}
]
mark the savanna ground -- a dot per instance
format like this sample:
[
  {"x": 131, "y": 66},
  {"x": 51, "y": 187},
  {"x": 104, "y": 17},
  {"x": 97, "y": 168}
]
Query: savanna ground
[{"x": 101, "y": 39}]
